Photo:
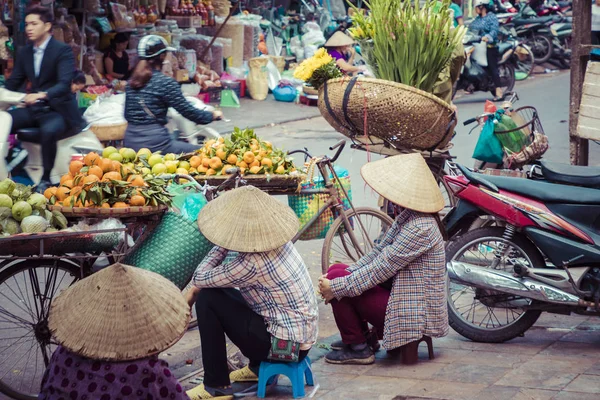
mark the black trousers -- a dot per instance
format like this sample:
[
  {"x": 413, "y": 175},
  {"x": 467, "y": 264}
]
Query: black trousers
[
  {"x": 52, "y": 128},
  {"x": 223, "y": 312},
  {"x": 492, "y": 68}
]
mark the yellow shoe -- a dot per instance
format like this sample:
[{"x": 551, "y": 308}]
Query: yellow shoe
[
  {"x": 199, "y": 393},
  {"x": 243, "y": 375}
]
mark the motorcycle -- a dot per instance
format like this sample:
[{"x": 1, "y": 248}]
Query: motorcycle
[
  {"x": 474, "y": 77},
  {"x": 561, "y": 43},
  {"x": 545, "y": 257},
  {"x": 29, "y": 154}
]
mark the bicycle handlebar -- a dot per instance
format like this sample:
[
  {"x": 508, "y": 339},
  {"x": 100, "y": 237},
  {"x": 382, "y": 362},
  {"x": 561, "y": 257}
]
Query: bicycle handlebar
[{"x": 341, "y": 144}]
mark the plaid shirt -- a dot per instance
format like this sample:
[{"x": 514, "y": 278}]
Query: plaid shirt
[
  {"x": 412, "y": 252},
  {"x": 275, "y": 284}
]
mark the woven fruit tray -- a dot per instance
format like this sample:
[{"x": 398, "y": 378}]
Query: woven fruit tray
[
  {"x": 82, "y": 212},
  {"x": 60, "y": 243},
  {"x": 275, "y": 184}
]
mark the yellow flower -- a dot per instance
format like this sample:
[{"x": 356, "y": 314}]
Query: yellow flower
[{"x": 306, "y": 69}]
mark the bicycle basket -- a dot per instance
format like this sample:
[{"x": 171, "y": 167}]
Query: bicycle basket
[
  {"x": 522, "y": 136},
  {"x": 174, "y": 250},
  {"x": 306, "y": 206}
]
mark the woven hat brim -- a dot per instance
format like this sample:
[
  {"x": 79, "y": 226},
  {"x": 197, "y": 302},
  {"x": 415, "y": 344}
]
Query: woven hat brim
[
  {"x": 339, "y": 39},
  {"x": 248, "y": 220},
  {"x": 120, "y": 313},
  {"x": 405, "y": 180}
]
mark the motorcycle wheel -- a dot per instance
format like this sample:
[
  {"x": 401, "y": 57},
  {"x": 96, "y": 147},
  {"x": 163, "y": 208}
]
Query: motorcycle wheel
[
  {"x": 467, "y": 314},
  {"x": 541, "y": 47},
  {"x": 507, "y": 77}
]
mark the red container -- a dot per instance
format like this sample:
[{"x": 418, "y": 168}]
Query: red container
[
  {"x": 77, "y": 157},
  {"x": 205, "y": 97},
  {"x": 242, "y": 87}
]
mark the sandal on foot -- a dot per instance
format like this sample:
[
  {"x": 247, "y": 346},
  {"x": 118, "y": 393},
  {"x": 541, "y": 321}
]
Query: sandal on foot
[
  {"x": 199, "y": 392},
  {"x": 243, "y": 375}
]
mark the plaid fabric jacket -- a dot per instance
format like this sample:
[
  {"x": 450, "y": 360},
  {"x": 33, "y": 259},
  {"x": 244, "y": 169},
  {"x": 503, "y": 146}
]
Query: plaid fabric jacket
[
  {"x": 275, "y": 284},
  {"x": 412, "y": 253}
]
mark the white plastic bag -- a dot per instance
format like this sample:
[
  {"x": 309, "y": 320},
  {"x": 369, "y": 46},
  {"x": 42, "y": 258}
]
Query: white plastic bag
[
  {"x": 479, "y": 54},
  {"x": 274, "y": 75}
]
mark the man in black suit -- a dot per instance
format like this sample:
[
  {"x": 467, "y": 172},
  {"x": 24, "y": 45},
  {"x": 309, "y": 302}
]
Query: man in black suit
[{"x": 49, "y": 66}]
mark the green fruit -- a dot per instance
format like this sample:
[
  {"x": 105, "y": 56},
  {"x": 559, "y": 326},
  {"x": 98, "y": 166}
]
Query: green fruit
[
  {"x": 184, "y": 164},
  {"x": 108, "y": 151},
  {"x": 128, "y": 154},
  {"x": 146, "y": 153},
  {"x": 170, "y": 157},
  {"x": 158, "y": 169},
  {"x": 10, "y": 226},
  {"x": 34, "y": 224},
  {"x": 116, "y": 157},
  {"x": 5, "y": 212},
  {"x": 145, "y": 171},
  {"x": 21, "y": 209},
  {"x": 5, "y": 201},
  {"x": 37, "y": 201},
  {"x": 155, "y": 159},
  {"x": 58, "y": 220},
  {"x": 171, "y": 166},
  {"x": 7, "y": 186}
]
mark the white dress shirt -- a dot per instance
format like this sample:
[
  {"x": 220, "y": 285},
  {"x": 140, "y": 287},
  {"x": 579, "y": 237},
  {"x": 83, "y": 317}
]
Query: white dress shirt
[{"x": 38, "y": 56}]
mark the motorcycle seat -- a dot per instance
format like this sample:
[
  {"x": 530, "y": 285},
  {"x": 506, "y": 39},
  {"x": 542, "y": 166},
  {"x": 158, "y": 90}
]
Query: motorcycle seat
[
  {"x": 571, "y": 174},
  {"x": 527, "y": 21},
  {"x": 31, "y": 135},
  {"x": 543, "y": 191}
]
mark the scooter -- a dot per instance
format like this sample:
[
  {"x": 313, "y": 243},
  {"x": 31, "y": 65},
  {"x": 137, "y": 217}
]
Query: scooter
[
  {"x": 545, "y": 257},
  {"x": 83, "y": 141}
]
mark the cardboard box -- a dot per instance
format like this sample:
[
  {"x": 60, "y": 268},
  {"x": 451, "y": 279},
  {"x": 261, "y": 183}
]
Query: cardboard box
[{"x": 182, "y": 76}]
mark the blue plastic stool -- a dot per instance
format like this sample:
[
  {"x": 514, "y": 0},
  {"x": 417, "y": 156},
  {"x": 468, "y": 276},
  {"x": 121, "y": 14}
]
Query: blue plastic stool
[{"x": 296, "y": 372}]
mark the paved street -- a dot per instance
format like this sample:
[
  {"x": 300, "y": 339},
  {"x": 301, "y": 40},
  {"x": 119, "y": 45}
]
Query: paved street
[{"x": 557, "y": 359}]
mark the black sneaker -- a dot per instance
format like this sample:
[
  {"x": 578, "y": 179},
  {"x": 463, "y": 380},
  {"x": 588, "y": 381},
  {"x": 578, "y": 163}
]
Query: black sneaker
[
  {"x": 372, "y": 341},
  {"x": 349, "y": 356}
]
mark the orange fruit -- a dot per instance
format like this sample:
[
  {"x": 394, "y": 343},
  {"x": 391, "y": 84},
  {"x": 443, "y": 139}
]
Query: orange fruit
[
  {"x": 116, "y": 176},
  {"x": 90, "y": 179},
  {"x": 255, "y": 163},
  {"x": 62, "y": 193},
  {"x": 242, "y": 164},
  {"x": 91, "y": 159},
  {"x": 232, "y": 159},
  {"x": 206, "y": 162},
  {"x": 215, "y": 163},
  {"x": 105, "y": 205},
  {"x": 75, "y": 167},
  {"x": 51, "y": 191},
  {"x": 266, "y": 162},
  {"x": 210, "y": 172},
  {"x": 96, "y": 170},
  {"x": 137, "y": 200},
  {"x": 136, "y": 180},
  {"x": 68, "y": 183},
  {"x": 76, "y": 191},
  {"x": 195, "y": 161},
  {"x": 65, "y": 177},
  {"x": 202, "y": 169},
  {"x": 106, "y": 165},
  {"x": 248, "y": 157},
  {"x": 116, "y": 166},
  {"x": 120, "y": 204},
  {"x": 221, "y": 154},
  {"x": 67, "y": 202}
]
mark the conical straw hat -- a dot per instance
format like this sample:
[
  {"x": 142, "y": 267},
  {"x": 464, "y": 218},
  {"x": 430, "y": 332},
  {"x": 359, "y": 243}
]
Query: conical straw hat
[
  {"x": 120, "y": 313},
  {"x": 406, "y": 181},
  {"x": 339, "y": 39},
  {"x": 248, "y": 220}
]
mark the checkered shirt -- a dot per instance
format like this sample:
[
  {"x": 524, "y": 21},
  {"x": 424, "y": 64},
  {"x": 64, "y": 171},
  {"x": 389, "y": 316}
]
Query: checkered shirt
[
  {"x": 275, "y": 284},
  {"x": 412, "y": 252}
]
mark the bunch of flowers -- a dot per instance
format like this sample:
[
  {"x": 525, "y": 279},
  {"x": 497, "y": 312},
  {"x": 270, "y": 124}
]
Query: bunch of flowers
[{"x": 317, "y": 69}]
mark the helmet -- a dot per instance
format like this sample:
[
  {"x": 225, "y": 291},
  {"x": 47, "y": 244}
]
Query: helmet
[
  {"x": 485, "y": 3},
  {"x": 151, "y": 46}
]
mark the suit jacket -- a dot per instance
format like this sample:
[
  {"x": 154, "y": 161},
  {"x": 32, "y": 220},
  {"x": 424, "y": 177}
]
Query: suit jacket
[{"x": 56, "y": 73}]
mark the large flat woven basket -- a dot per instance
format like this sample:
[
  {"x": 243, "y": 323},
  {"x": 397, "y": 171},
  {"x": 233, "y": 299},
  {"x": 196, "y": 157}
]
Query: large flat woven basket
[
  {"x": 106, "y": 133},
  {"x": 400, "y": 114}
]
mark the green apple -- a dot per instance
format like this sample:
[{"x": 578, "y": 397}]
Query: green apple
[
  {"x": 116, "y": 157},
  {"x": 108, "y": 151},
  {"x": 155, "y": 159}
]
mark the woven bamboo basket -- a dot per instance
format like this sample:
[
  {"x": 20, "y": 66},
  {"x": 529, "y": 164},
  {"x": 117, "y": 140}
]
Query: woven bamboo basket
[
  {"x": 400, "y": 114},
  {"x": 106, "y": 133},
  {"x": 309, "y": 90}
]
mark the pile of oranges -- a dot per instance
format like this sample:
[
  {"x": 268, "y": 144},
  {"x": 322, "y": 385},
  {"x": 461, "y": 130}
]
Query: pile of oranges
[{"x": 100, "y": 182}]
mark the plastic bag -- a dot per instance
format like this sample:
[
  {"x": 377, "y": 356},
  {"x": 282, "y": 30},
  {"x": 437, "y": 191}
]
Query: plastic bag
[
  {"x": 488, "y": 147},
  {"x": 479, "y": 54},
  {"x": 285, "y": 92},
  {"x": 258, "y": 78},
  {"x": 187, "y": 200},
  {"x": 274, "y": 75}
]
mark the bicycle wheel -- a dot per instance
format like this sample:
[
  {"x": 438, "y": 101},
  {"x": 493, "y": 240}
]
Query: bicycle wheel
[
  {"x": 368, "y": 226},
  {"x": 525, "y": 61},
  {"x": 26, "y": 291}
]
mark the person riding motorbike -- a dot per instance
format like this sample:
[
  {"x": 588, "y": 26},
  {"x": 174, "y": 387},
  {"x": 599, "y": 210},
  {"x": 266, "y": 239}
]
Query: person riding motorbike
[
  {"x": 149, "y": 94},
  {"x": 49, "y": 66},
  {"x": 487, "y": 26}
]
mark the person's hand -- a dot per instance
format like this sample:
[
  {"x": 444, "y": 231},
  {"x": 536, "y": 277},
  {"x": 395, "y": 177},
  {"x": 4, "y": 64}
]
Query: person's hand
[
  {"x": 33, "y": 98},
  {"x": 191, "y": 294},
  {"x": 325, "y": 289},
  {"x": 485, "y": 39},
  {"x": 217, "y": 115}
]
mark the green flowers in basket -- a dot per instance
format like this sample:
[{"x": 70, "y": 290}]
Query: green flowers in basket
[
  {"x": 317, "y": 69},
  {"x": 412, "y": 43}
]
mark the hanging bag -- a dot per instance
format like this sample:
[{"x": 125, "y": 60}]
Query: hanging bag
[{"x": 488, "y": 147}]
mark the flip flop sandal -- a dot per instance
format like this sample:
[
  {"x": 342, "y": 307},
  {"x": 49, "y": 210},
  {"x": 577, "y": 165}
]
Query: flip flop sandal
[{"x": 199, "y": 393}]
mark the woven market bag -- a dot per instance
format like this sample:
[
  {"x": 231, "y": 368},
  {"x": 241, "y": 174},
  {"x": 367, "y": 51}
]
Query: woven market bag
[
  {"x": 400, "y": 114},
  {"x": 307, "y": 206},
  {"x": 173, "y": 250}
]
